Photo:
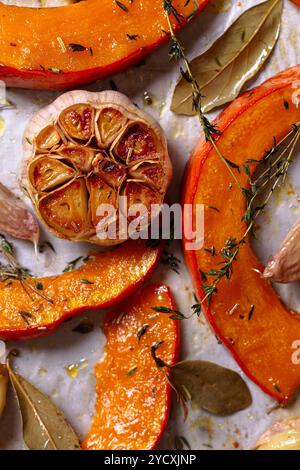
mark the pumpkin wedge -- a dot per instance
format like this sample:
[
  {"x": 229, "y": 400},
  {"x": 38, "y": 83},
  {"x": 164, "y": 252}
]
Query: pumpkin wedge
[
  {"x": 134, "y": 397},
  {"x": 102, "y": 281},
  {"x": 63, "y": 47},
  {"x": 262, "y": 343}
]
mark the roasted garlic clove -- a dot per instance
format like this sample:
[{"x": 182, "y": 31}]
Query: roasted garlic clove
[
  {"x": 3, "y": 387},
  {"x": 135, "y": 144},
  {"x": 48, "y": 139},
  {"x": 100, "y": 193},
  {"x": 110, "y": 122},
  {"x": 80, "y": 158},
  {"x": 66, "y": 209},
  {"x": 112, "y": 172},
  {"x": 140, "y": 194},
  {"x": 77, "y": 122},
  {"x": 284, "y": 267},
  {"x": 284, "y": 435},
  {"x": 47, "y": 172},
  {"x": 91, "y": 149},
  {"x": 150, "y": 173}
]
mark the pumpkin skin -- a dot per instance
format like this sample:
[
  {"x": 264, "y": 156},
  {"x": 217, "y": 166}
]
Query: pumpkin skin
[
  {"x": 263, "y": 347},
  {"x": 31, "y": 55},
  {"x": 137, "y": 404},
  {"x": 111, "y": 275}
]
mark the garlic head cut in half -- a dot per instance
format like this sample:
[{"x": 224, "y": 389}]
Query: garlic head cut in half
[{"x": 89, "y": 151}]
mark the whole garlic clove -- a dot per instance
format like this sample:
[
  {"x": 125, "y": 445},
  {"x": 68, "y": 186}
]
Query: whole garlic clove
[
  {"x": 3, "y": 387},
  {"x": 284, "y": 267},
  {"x": 283, "y": 435},
  {"x": 15, "y": 218},
  {"x": 88, "y": 149}
]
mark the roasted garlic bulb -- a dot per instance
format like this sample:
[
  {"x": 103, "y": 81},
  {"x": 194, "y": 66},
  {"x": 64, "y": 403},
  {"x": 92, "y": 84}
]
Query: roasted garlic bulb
[{"x": 87, "y": 151}]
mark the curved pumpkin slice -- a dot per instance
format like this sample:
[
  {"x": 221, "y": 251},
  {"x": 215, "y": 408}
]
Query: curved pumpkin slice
[
  {"x": 66, "y": 209},
  {"x": 133, "y": 396},
  {"x": 46, "y": 173},
  {"x": 34, "y": 55},
  {"x": 263, "y": 344},
  {"x": 101, "y": 282}
]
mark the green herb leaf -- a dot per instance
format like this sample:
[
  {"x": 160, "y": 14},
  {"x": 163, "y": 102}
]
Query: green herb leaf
[
  {"x": 142, "y": 331},
  {"x": 122, "y": 6}
]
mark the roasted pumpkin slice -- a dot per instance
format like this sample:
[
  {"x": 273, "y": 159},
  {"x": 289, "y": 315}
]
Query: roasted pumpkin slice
[
  {"x": 245, "y": 313},
  {"x": 46, "y": 173},
  {"x": 102, "y": 281},
  {"x": 66, "y": 209},
  {"x": 117, "y": 150},
  {"x": 40, "y": 49},
  {"x": 133, "y": 396}
]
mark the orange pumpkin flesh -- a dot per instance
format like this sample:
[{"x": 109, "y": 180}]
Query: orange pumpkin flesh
[
  {"x": 102, "y": 281},
  {"x": 56, "y": 48},
  {"x": 133, "y": 397},
  {"x": 263, "y": 346}
]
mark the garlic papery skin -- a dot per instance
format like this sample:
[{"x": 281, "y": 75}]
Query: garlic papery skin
[
  {"x": 90, "y": 149},
  {"x": 284, "y": 435},
  {"x": 284, "y": 267}
]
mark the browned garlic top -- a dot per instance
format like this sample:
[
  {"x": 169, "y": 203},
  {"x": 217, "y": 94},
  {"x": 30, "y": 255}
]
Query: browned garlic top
[{"x": 88, "y": 149}]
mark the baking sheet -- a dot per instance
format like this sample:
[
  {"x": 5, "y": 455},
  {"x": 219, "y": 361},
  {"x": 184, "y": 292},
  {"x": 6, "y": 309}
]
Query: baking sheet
[{"x": 45, "y": 361}]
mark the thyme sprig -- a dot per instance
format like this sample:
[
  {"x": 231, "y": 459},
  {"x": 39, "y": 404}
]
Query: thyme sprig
[
  {"x": 177, "y": 53},
  {"x": 272, "y": 177},
  {"x": 276, "y": 173},
  {"x": 12, "y": 271},
  {"x": 182, "y": 394}
]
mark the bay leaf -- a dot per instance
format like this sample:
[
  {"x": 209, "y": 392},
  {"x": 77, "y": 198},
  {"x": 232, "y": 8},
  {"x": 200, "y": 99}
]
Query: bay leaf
[
  {"x": 44, "y": 425},
  {"x": 232, "y": 60},
  {"x": 211, "y": 387}
]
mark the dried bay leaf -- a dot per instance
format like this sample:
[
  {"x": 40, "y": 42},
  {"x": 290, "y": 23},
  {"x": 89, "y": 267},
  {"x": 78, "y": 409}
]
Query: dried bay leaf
[
  {"x": 212, "y": 387},
  {"x": 233, "y": 60},
  {"x": 44, "y": 425}
]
